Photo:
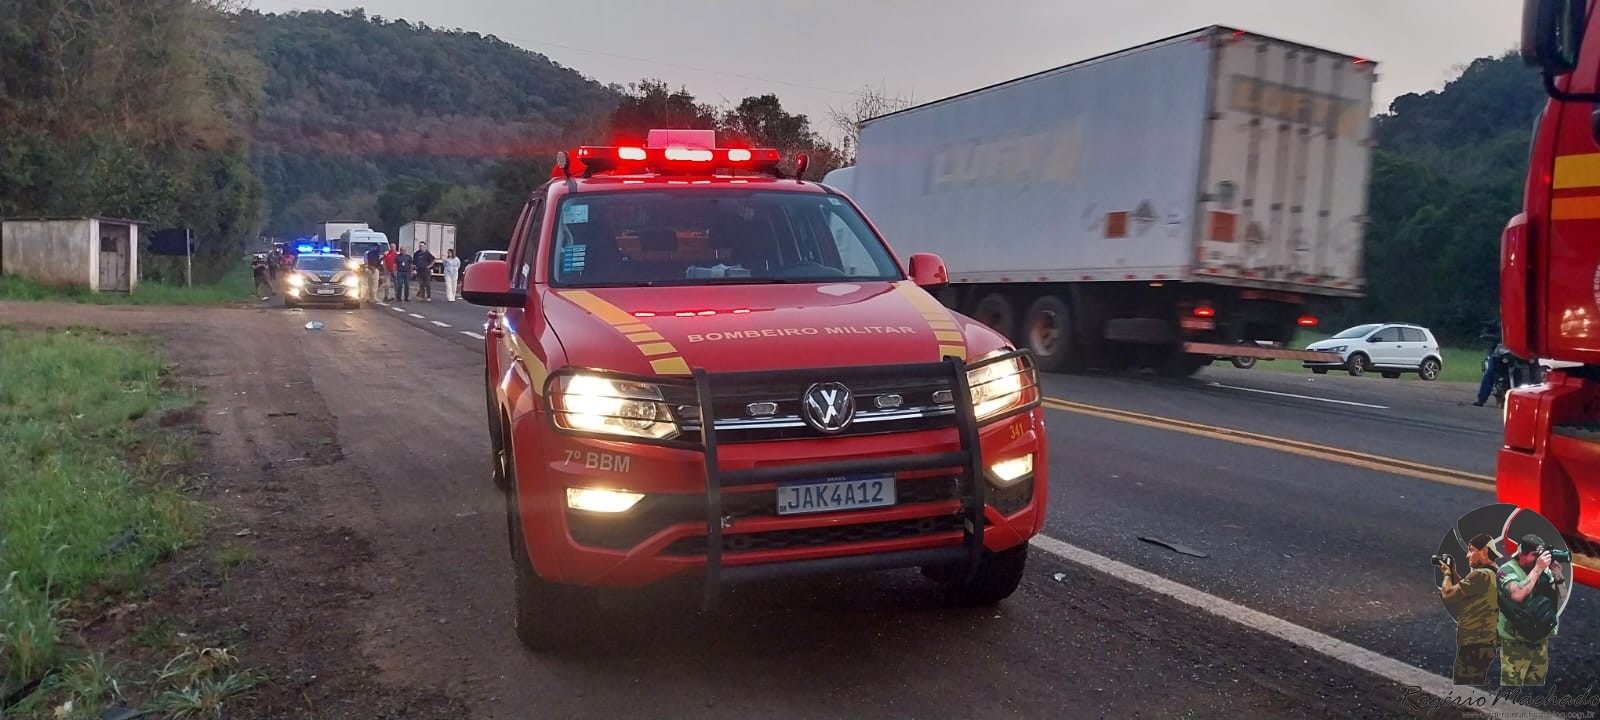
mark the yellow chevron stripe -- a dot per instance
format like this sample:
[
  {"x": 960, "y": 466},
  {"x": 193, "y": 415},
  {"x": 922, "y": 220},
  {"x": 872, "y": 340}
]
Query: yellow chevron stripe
[
  {"x": 639, "y": 328},
  {"x": 959, "y": 351},
  {"x": 602, "y": 309},
  {"x": 644, "y": 337},
  {"x": 670, "y": 366},
  {"x": 660, "y": 348},
  {"x": 948, "y": 336}
]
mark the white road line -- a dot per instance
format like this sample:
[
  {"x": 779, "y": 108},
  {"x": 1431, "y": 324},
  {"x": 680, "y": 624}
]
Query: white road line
[
  {"x": 1302, "y": 397},
  {"x": 440, "y": 324},
  {"x": 398, "y": 309},
  {"x": 1400, "y": 673},
  {"x": 472, "y": 335},
  {"x": 419, "y": 317}
]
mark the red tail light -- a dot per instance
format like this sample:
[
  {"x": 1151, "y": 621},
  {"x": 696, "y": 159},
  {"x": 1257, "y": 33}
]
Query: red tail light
[
  {"x": 1204, "y": 311},
  {"x": 1307, "y": 321}
]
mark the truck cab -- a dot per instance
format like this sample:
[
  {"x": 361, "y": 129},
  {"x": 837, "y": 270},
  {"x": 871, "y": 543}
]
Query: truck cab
[
  {"x": 1549, "y": 458},
  {"x": 695, "y": 366}
]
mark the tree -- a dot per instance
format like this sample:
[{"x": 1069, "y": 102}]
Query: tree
[
  {"x": 761, "y": 121},
  {"x": 650, "y": 104},
  {"x": 864, "y": 105}
]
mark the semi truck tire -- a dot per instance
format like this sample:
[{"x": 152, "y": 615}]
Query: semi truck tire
[
  {"x": 997, "y": 311},
  {"x": 1048, "y": 330},
  {"x": 1173, "y": 362}
]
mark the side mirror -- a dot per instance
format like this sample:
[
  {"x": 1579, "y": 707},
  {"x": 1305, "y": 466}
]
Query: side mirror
[
  {"x": 928, "y": 272},
  {"x": 1552, "y": 33},
  {"x": 488, "y": 283}
]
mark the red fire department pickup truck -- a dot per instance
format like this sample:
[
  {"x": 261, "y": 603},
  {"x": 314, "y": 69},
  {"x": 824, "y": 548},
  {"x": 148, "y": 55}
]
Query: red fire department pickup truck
[{"x": 696, "y": 365}]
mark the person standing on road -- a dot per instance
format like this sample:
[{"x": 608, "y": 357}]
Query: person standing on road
[
  {"x": 402, "y": 277},
  {"x": 263, "y": 275},
  {"x": 422, "y": 265},
  {"x": 372, "y": 269},
  {"x": 1528, "y": 603},
  {"x": 389, "y": 270},
  {"x": 1489, "y": 334},
  {"x": 1472, "y": 599},
  {"x": 452, "y": 273}
]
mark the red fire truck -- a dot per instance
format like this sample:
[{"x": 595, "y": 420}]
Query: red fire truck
[
  {"x": 1550, "y": 289},
  {"x": 697, "y": 366}
]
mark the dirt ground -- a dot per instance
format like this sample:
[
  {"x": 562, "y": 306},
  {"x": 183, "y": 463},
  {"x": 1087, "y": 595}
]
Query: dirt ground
[{"x": 349, "y": 469}]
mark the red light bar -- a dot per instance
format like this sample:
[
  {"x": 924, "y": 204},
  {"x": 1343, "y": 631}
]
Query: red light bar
[
  {"x": 1308, "y": 321},
  {"x": 595, "y": 159}
]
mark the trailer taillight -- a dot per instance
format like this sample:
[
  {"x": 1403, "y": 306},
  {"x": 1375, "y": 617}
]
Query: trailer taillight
[
  {"x": 1308, "y": 321},
  {"x": 1204, "y": 311}
]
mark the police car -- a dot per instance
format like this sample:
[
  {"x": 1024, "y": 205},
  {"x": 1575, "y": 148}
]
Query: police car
[{"x": 322, "y": 277}]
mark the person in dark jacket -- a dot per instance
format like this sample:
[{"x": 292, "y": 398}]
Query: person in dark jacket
[
  {"x": 1489, "y": 334},
  {"x": 402, "y": 277},
  {"x": 422, "y": 265}
]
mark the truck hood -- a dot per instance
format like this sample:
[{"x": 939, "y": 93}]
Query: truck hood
[{"x": 725, "y": 328}]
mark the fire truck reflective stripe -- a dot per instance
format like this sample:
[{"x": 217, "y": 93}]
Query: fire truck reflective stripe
[
  {"x": 644, "y": 337},
  {"x": 634, "y": 328},
  {"x": 601, "y": 309},
  {"x": 670, "y": 366},
  {"x": 1575, "y": 208},
  {"x": 660, "y": 348},
  {"x": 938, "y": 318},
  {"x": 1576, "y": 171}
]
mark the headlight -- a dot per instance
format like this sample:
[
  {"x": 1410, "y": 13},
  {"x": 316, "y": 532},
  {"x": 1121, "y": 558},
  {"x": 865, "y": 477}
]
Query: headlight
[
  {"x": 296, "y": 279},
  {"x": 596, "y": 404},
  {"x": 996, "y": 387},
  {"x": 351, "y": 281}
]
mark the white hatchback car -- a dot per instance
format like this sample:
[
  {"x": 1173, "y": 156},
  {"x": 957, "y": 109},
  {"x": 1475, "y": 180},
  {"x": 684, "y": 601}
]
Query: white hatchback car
[{"x": 1387, "y": 348}]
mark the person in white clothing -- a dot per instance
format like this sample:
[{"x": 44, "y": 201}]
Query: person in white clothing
[{"x": 452, "y": 272}]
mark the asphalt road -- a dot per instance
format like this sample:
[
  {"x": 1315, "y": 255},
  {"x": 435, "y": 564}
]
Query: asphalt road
[{"x": 1338, "y": 547}]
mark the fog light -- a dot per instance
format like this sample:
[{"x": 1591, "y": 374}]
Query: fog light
[
  {"x": 601, "y": 500},
  {"x": 1006, "y": 472}
]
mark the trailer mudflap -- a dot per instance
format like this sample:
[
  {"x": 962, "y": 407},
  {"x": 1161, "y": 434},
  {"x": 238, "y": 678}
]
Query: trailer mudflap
[
  {"x": 1256, "y": 351},
  {"x": 967, "y": 460}
]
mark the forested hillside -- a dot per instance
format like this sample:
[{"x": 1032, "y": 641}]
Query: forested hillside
[
  {"x": 1447, "y": 175},
  {"x": 352, "y": 103}
]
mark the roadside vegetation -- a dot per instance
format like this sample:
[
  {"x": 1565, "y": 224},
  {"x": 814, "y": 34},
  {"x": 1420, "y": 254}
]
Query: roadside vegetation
[
  {"x": 93, "y": 481},
  {"x": 236, "y": 285}
]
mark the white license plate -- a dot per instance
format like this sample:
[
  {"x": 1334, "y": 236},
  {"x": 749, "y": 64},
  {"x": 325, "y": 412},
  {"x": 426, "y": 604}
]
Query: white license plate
[
  {"x": 845, "y": 493},
  {"x": 326, "y": 291}
]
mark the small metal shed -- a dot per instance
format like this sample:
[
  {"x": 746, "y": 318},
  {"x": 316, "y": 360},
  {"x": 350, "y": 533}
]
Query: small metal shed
[{"x": 99, "y": 253}]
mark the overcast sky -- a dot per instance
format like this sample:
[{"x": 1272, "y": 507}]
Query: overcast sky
[{"x": 813, "y": 53}]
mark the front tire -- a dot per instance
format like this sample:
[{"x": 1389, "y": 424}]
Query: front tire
[
  {"x": 548, "y": 615},
  {"x": 999, "y": 574},
  {"x": 1357, "y": 365}
]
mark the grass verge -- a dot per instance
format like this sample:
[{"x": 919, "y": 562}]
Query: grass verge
[
  {"x": 237, "y": 285},
  {"x": 91, "y": 486},
  {"x": 1460, "y": 364}
]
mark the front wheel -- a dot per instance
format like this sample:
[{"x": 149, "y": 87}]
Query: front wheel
[
  {"x": 1430, "y": 369},
  {"x": 548, "y": 615},
  {"x": 999, "y": 574},
  {"x": 1357, "y": 365}
]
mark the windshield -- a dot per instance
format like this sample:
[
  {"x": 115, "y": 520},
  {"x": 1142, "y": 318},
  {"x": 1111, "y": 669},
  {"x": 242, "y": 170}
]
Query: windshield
[
  {"x": 1355, "y": 332},
  {"x": 705, "y": 236},
  {"x": 320, "y": 263}
]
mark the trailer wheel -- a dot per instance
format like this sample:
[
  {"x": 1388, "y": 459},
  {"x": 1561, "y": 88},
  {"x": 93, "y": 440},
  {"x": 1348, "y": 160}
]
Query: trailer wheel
[
  {"x": 1047, "y": 330},
  {"x": 996, "y": 311},
  {"x": 1243, "y": 363},
  {"x": 1175, "y": 363}
]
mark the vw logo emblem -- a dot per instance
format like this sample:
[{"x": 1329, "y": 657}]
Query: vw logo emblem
[{"x": 828, "y": 407}]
